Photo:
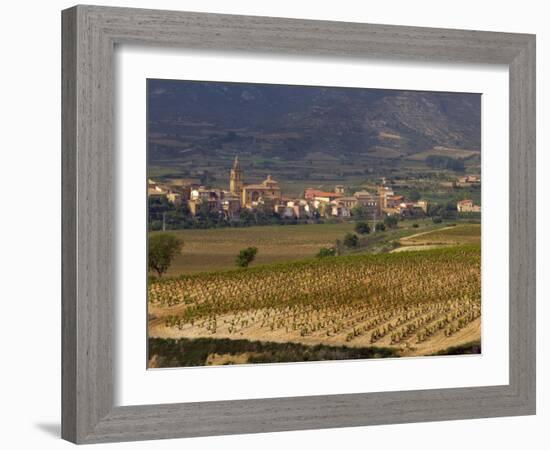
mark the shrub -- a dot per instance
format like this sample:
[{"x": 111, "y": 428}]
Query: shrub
[
  {"x": 362, "y": 228},
  {"x": 326, "y": 251},
  {"x": 246, "y": 256},
  {"x": 390, "y": 221},
  {"x": 351, "y": 240}
]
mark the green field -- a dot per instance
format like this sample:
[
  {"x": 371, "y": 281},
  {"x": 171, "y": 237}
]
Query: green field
[
  {"x": 460, "y": 234},
  {"x": 216, "y": 248}
]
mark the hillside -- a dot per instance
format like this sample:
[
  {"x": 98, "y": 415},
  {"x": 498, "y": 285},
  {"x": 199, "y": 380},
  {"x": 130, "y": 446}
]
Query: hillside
[{"x": 291, "y": 122}]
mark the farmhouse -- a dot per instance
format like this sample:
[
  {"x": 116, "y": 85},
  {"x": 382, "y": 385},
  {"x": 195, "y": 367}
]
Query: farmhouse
[{"x": 467, "y": 206}]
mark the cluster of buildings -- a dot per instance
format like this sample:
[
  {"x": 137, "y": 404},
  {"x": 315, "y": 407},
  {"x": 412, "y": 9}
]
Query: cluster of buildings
[
  {"x": 468, "y": 180},
  {"x": 374, "y": 204},
  {"x": 464, "y": 181},
  {"x": 158, "y": 191},
  {"x": 268, "y": 194}
]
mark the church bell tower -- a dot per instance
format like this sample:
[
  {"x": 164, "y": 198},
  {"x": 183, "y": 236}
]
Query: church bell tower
[{"x": 236, "y": 179}]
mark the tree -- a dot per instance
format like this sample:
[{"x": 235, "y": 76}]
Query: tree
[
  {"x": 163, "y": 248},
  {"x": 246, "y": 217},
  {"x": 326, "y": 251},
  {"x": 390, "y": 221},
  {"x": 450, "y": 205},
  {"x": 246, "y": 256},
  {"x": 414, "y": 195},
  {"x": 360, "y": 212},
  {"x": 380, "y": 227},
  {"x": 362, "y": 228},
  {"x": 351, "y": 240},
  {"x": 445, "y": 162}
]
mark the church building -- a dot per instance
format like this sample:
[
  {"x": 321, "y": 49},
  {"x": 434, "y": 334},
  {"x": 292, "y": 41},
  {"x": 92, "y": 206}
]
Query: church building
[
  {"x": 236, "y": 179},
  {"x": 253, "y": 194}
]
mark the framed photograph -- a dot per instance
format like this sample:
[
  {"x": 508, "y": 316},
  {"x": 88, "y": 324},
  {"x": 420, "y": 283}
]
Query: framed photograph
[{"x": 278, "y": 224}]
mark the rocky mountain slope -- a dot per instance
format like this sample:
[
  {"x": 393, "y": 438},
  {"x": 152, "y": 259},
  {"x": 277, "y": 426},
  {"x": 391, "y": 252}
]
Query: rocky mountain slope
[{"x": 291, "y": 122}]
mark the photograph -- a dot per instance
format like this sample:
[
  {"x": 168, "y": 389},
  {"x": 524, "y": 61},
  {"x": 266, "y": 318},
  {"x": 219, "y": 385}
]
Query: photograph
[{"x": 290, "y": 224}]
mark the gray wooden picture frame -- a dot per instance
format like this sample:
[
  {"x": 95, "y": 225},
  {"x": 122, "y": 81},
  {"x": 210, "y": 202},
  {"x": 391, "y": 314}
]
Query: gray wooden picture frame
[{"x": 90, "y": 34}]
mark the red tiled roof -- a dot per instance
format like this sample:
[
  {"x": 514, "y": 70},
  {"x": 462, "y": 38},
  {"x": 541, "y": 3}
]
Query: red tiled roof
[{"x": 317, "y": 193}]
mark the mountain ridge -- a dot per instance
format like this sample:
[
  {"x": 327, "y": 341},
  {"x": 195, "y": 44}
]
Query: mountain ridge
[{"x": 291, "y": 122}]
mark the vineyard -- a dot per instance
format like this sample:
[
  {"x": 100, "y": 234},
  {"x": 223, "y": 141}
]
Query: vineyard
[{"x": 417, "y": 302}]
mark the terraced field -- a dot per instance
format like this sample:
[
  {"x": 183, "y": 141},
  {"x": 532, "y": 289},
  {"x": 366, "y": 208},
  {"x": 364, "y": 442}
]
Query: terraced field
[{"x": 418, "y": 302}]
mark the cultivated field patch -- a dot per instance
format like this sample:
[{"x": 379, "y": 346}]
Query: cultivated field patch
[
  {"x": 452, "y": 235},
  {"x": 418, "y": 303},
  {"x": 215, "y": 248},
  {"x": 443, "y": 151}
]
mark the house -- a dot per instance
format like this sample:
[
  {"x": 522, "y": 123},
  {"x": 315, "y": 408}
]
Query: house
[
  {"x": 393, "y": 201},
  {"x": 347, "y": 202},
  {"x": 322, "y": 196},
  {"x": 467, "y": 206},
  {"x": 285, "y": 211},
  {"x": 174, "y": 197},
  {"x": 154, "y": 190},
  {"x": 423, "y": 205},
  {"x": 231, "y": 205},
  {"x": 211, "y": 198},
  {"x": 470, "y": 179},
  {"x": 412, "y": 209},
  {"x": 368, "y": 201},
  {"x": 339, "y": 210}
]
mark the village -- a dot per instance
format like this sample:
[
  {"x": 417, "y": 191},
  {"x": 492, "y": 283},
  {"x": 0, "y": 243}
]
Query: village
[{"x": 313, "y": 204}]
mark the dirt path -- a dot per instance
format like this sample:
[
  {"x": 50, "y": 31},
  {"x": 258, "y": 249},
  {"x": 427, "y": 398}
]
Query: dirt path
[
  {"x": 410, "y": 248},
  {"x": 406, "y": 246},
  {"x": 414, "y": 236}
]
